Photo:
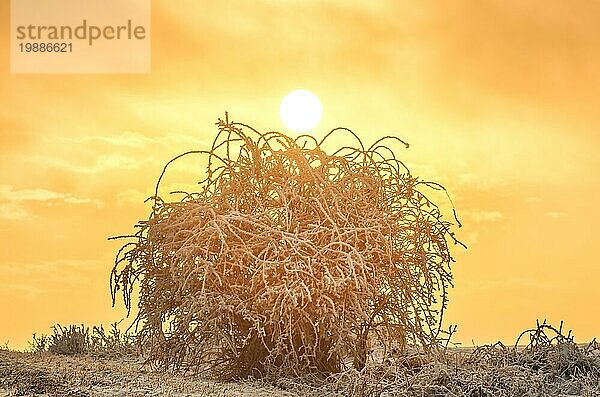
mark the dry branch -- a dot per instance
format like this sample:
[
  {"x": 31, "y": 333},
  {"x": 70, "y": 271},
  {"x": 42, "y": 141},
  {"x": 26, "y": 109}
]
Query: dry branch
[{"x": 288, "y": 259}]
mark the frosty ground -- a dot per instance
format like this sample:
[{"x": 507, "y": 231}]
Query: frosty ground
[{"x": 552, "y": 370}]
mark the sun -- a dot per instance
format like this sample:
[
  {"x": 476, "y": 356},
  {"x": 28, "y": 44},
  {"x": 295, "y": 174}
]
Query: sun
[{"x": 300, "y": 110}]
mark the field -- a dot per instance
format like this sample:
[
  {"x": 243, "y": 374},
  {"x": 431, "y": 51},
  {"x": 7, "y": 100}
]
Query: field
[
  {"x": 26, "y": 374},
  {"x": 547, "y": 366}
]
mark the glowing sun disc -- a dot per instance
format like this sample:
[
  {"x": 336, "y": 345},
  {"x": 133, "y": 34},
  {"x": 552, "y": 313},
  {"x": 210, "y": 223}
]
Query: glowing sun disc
[{"x": 300, "y": 110}]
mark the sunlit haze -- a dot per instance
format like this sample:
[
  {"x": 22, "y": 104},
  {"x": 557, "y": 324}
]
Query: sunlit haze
[{"x": 498, "y": 100}]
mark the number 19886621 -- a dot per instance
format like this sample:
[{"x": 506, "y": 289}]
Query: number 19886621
[{"x": 46, "y": 47}]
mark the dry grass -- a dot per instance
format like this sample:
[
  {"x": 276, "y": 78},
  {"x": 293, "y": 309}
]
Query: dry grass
[
  {"x": 289, "y": 260},
  {"x": 551, "y": 364},
  {"x": 79, "y": 339}
]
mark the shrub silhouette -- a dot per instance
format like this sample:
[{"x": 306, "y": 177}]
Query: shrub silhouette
[{"x": 288, "y": 260}]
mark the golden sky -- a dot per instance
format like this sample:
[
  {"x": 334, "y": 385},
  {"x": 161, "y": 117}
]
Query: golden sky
[{"x": 498, "y": 99}]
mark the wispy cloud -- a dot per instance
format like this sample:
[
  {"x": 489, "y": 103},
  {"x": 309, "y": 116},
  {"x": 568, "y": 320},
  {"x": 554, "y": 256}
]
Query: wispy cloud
[
  {"x": 31, "y": 279},
  {"x": 125, "y": 151},
  {"x": 555, "y": 214},
  {"x": 485, "y": 216},
  {"x": 12, "y": 200},
  {"x": 132, "y": 139},
  {"x": 103, "y": 163},
  {"x": 129, "y": 139},
  {"x": 13, "y": 211}
]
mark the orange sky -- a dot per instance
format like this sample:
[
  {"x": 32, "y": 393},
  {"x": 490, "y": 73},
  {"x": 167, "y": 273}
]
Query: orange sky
[{"x": 498, "y": 99}]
